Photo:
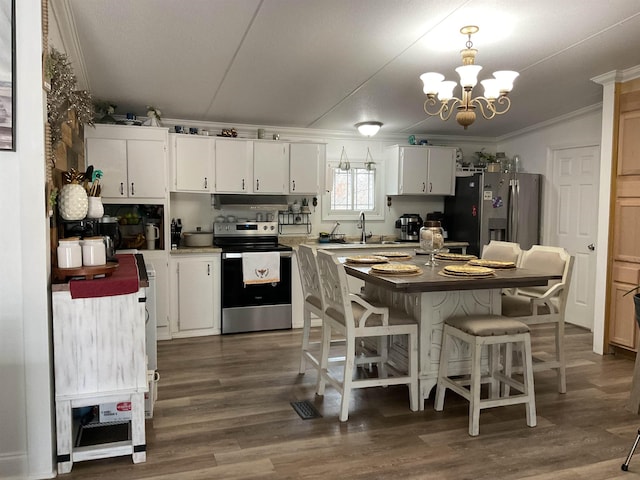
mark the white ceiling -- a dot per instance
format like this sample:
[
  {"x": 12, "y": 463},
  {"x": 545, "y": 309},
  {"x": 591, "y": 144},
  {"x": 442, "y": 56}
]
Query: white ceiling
[{"x": 329, "y": 64}]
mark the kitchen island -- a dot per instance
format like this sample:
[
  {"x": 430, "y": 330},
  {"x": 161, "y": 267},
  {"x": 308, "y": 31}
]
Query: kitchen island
[
  {"x": 100, "y": 359},
  {"x": 430, "y": 298}
]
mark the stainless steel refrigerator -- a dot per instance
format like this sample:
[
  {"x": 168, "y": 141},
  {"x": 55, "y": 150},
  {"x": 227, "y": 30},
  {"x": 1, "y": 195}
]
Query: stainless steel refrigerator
[{"x": 494, "y": 206}]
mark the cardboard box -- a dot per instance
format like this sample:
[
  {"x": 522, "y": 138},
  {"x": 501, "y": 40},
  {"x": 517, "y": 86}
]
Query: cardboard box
[
  {"x": 151, "y": 395},
  {"x": 115, "y": 412}
]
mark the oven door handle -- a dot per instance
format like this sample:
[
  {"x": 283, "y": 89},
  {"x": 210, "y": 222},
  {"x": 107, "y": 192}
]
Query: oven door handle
[{"x": 230, "y": 255}]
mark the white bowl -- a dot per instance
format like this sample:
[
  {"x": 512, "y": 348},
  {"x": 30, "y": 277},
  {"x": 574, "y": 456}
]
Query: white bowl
[{"x": 231, "y": 218}]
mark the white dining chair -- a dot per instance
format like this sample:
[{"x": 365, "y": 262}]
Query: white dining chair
[
  {"x": 544, "y": 304},
  {"x": 312, "y": 304},
  {"x": 354, "y": 318},
  {"x": 502, "y": 251}
]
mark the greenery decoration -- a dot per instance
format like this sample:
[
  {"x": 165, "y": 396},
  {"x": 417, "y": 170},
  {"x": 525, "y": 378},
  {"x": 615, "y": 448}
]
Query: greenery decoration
[{"x": 64, "y": 95}]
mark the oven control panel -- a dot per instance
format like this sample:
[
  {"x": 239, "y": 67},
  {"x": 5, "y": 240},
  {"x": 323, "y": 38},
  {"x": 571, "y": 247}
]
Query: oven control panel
[{"x": 242, "y": 229}]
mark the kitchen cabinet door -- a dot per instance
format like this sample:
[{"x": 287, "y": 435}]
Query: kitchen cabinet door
[
  {"x": 441, "y": 171},
  {"x": 304, "y": 167},
  {"x": 413, "y": 171},
  {"x": 146, "y": 170},
  {"x": 110, "y": 156},
  {"x": 233, "y": 166},
  {"x": 270, "y": 167},
  {"x": 623, "y": 331},
  {"x": 193, "y": 163},
  {"x": 195, "y": 282}
]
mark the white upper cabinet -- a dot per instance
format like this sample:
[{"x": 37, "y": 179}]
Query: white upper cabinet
[
  {"x": 132, "y": 160},
  {"x": 418, "y": 170},
  {"x": 270, "y": 167},
  {"x": 305, "y": 160},
  {"x": 233, "y": 165},
  {"x": 194, "y": 163},
  {"x": 441, "y": 177}
]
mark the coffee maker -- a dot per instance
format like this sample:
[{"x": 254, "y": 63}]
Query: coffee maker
[
  {"x": 108, "y": 227},
  {"x": 409, "y": 225}
]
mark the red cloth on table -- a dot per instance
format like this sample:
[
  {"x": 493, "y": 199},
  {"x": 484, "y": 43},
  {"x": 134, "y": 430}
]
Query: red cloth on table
[{"x": 123, "y": 281}]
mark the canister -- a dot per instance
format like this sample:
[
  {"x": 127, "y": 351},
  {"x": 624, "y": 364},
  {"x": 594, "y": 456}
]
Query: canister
[
  {"x": 69, "y": 253},
  {"x": 93, "y": 252}
]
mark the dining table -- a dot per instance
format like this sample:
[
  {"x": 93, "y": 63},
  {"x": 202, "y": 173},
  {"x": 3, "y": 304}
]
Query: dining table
[{"x": 430, "y": 297}]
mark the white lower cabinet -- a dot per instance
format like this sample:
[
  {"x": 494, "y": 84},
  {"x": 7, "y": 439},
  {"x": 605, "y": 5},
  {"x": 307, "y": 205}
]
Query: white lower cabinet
[{"x": 195, "y": 293}]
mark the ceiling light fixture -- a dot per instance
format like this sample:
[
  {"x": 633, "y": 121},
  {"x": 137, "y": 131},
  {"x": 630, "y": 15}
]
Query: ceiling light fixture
[
  {"x": 495, "y": 89},
  {"x": 368, "y": 129}
]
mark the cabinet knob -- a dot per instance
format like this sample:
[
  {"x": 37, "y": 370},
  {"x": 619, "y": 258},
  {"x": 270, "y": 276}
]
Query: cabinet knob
[
  {"x": 257, "y": 184},
  {"x": 293, "y": 185},
  {"x": 121, "y": 188},
  {"x": 206, "y": 183},
  {"x": 133, "y": 190}
]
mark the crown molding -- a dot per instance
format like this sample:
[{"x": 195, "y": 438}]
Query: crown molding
[
  {"x": 551, "y": 122},
  {"x": 65, "y": 24}
]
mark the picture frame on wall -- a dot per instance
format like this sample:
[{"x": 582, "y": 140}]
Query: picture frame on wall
[{"x": 7, "y": 69}]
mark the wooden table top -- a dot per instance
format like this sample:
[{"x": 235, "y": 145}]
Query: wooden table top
[{"x": 431, "y": 281}]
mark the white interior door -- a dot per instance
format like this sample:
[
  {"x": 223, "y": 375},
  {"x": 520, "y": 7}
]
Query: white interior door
[{"x": 573, "y": 208}]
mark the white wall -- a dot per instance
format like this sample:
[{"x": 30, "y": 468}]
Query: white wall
[
  {"x": 26, "y": 445},
  {"x": 534, "y": 146}
]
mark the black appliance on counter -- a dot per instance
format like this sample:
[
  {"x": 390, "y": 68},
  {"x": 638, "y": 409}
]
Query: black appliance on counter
[
  {"x": 252, "y": 307},
  {"x": 87, "y": 227},
  {"x": 409, "y": 225}
]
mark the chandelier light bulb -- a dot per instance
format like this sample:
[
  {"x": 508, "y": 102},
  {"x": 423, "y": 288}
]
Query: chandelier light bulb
[
  {"x": 469, "y": 75},
  {"x": 431, "y": 82},
  {"x": 445, "y": 91},
  {"x": 491, "y": 88},
  {"x": 505, "y": 79}
]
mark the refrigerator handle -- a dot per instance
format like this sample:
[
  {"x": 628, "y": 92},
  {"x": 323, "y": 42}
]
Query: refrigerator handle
[
  {"x": 510, "y": 211},
  {"x": 515, "y": 209}
]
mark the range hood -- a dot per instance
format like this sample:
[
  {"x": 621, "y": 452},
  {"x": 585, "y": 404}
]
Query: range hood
[{"x": 254, "y": 202}]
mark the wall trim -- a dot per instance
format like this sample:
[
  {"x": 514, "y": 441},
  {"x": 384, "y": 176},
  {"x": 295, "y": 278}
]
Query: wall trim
[
  {"x": 66, "y": 25},
  {"x": 13, "y": 465},
  {"x": 548, "y": 123}
]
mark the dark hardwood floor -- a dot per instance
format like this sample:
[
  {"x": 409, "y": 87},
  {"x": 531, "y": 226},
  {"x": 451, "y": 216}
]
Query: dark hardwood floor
[{"x": 223, "y": 412}]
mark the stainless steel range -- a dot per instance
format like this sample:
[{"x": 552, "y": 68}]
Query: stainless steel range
[{"x": 252, "y": 307}]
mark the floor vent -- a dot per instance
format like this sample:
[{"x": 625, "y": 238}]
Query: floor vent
[{"x": 306, "y": 410}]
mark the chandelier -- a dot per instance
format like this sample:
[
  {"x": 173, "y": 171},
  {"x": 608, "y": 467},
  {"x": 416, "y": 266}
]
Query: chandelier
[{"x": 495, "y": 100}]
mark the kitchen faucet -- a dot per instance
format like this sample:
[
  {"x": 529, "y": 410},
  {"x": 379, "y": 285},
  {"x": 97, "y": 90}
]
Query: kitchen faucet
[{"x": 363, "y": 236}]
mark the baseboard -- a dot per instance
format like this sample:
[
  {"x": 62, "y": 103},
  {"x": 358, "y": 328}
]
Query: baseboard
[{"x": 13, "y": 465}]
